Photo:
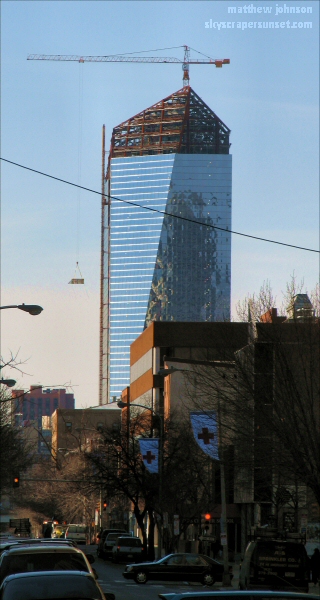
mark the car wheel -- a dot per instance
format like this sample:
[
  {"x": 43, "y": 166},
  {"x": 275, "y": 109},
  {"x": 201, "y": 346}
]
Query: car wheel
[
  {"x": 141, "y": 577},
  {"x": 208, "y": 579}
]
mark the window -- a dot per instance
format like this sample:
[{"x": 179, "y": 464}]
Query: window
[
  {"x": 68, "y": 426},
  {"x": 175, "y": 560},
  {"x": 195, "y": 560}
]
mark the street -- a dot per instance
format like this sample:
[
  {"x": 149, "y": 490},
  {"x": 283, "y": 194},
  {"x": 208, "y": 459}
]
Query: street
[{"x": 111, "y": 580}]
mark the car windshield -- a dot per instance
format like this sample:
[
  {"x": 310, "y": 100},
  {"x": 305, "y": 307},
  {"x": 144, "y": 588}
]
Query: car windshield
[
  {"x": 164, "y": 559},
  {"x": 61, "y": 586},
  {"x": 210, "y": 560}
]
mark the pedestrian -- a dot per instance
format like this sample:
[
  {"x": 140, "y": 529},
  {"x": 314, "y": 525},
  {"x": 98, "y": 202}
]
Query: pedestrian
[
  {"x": 47, "y": 531},
  {"x": 315, "y": 565},
  {"x": 215, "y": 548}
]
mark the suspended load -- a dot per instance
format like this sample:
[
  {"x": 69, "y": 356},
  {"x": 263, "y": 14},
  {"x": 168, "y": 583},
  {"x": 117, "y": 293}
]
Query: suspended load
[{"x": 77, "y": 280}]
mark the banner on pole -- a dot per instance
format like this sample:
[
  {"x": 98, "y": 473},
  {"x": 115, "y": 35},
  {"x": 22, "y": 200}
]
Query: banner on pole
[
  {"x": 149, "y": 448},
  {"x": 205, "y": 431}
]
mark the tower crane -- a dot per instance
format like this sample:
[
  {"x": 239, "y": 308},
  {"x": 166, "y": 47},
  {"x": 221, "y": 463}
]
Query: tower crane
[
  {"x": 138, "y": 59},
  {"x": 122, "y": 58}
]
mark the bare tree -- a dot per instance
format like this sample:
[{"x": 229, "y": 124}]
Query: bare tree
[
  {"x": 269, "y": 403},
  {"x": 256, "y": 304},
  {"x": 185, "y": 476},
  {"x": 16, "y": 453}
]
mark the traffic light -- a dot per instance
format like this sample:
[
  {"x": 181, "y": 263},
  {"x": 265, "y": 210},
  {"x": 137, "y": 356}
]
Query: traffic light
[
  {"x": 207, "y": 518},
  {"x": 105, "y": 504},
  {"x": 15, "y": 482}
]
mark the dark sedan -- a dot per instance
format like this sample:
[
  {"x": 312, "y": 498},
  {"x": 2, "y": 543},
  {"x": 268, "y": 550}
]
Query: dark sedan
[{"x": 177, "y": 567}]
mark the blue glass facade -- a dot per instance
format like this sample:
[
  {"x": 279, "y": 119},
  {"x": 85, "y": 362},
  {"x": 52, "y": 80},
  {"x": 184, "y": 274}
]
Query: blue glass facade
[{"x": 162, "y": 267}]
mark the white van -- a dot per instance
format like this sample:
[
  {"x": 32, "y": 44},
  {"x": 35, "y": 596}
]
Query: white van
[
  {"x": 275, "y": 564},
  {"x": 78, "y": 533}
]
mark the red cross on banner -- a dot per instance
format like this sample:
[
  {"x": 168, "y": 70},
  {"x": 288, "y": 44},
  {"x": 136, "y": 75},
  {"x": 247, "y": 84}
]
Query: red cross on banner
[
  {"x": 149, "y": 448},
  {"x": 149, "y": 457},
  {"x": 206, "y": 435},
  {"x": 205, "y": 431}
]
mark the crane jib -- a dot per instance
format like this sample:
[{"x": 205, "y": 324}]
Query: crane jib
[{"x": 129, "y": 59}]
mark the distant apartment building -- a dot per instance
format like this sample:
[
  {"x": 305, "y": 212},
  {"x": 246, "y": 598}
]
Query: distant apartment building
[
  {"x": 33, "y": 410},
  {"x": 75, "y": 429},
  {"x": 39, "y": 402}
]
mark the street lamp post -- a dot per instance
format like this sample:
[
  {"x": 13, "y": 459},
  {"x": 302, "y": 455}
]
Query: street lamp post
[
  {"x": 32, "y": 309},
  {"x": 161, "y": 432},
  {"x": 223, "y": 522},
  {"x": 8, "y": 382}
]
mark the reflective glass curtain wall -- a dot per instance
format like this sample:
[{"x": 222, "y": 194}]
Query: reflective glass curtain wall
[{"x": 163, "y": 267}]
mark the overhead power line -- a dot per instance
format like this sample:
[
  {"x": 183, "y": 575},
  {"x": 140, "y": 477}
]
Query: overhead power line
[{"x": 247, "y": 235}]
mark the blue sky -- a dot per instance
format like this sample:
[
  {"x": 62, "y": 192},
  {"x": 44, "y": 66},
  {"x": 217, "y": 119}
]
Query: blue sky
[{"x": 51, "y": 119}]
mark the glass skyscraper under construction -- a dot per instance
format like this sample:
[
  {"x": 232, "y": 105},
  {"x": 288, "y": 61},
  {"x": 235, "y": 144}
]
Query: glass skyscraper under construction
[{"x": 166, "y": 227}]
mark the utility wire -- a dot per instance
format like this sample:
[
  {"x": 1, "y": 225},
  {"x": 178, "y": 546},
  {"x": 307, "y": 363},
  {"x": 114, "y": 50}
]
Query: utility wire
[{"x": 247, "y": 235}]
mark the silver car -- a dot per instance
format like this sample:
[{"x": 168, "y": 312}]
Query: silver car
[
  {"x": 78, "y": 533},
  {"x": 128, "y": 548}
]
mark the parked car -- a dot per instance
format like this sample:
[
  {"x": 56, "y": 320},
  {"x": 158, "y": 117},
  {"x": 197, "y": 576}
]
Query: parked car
[
  {"x": 109, "y": 543},
  {"x": 102, "y": 539},
  {"x": 236, "y": 595},
  {"x": 275, "y": 564},
  {"x": 78, "y": 533},
  {"x": 48, "y": 584},
  {"x": 178, "y": 567},
  {"x": 128, "y": 548},
  {"x": 44, "y": 557}
]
